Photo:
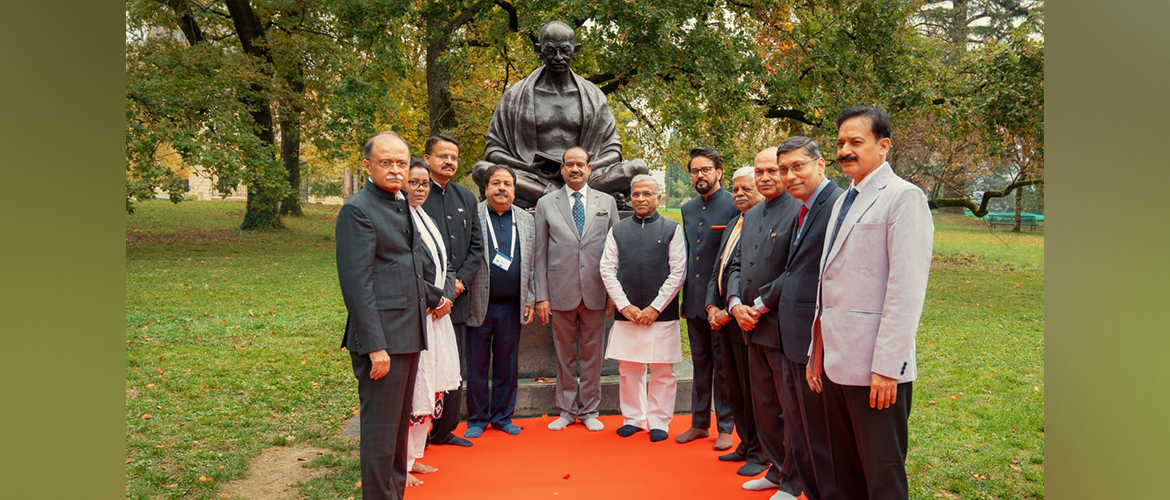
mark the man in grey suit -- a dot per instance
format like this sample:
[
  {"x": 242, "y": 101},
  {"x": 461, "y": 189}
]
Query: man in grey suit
[
  {"x": 571, "y": 226},
  {"x": 874, "y": 270},
  {"x": 755, "y": 275},
  {"x": 502, "y": 298},
  {"x": 379, "y": 268},
  {"x": 802, "y": 170},
  {"x": 452, "y": 207}
]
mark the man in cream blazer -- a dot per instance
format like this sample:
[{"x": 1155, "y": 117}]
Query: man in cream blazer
[
  {"x": 874, "y": 271},
  {"x": 571, "y": 226}
]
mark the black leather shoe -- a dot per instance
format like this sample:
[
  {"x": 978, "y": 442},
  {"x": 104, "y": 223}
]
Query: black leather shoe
[
  {"x": 750, "y": 469},
  {"x": 734, "y": 456}
]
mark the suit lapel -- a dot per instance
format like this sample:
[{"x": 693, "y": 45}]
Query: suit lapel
[
  {"x": 483, "y": 222},
  {"x": 565, "y": 203},
  {"x": 864, "y": 201},
  {"x": 591, "y": 203}
]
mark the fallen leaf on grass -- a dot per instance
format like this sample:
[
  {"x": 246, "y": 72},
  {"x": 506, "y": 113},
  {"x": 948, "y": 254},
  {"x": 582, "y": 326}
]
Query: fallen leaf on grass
[
  {"x": 315, "y": 384},
  {"x": 205, "y": 479},
  {"x": 302, "y": 459},
  {"x": 128, "y": 460},
  {"x": 147, "y": 416},
  {"x": 250, "y": 313},
  {"x": 358, "y": 485}
]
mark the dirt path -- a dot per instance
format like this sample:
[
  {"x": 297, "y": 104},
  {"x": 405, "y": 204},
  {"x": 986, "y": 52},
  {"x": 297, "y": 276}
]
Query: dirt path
[{"x": 272, "y": 474}]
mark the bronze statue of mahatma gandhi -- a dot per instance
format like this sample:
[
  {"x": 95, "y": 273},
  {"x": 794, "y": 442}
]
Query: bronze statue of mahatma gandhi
[{"x": 546, "y": 113}]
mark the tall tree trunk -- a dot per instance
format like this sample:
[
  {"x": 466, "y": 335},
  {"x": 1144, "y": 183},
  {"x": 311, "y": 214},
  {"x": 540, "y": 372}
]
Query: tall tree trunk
[
  {"x": 290, "y": 140},
  {"x": 442, "y": 115},
  {"x": 262, "y": 206},
  {"x": 1019, "y": 210}
]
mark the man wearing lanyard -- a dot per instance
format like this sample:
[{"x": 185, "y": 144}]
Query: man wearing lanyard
[{"x": 501, "y": 288}]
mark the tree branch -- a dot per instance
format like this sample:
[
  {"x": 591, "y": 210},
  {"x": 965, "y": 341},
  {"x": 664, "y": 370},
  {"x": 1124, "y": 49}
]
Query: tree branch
[
  {"x": 792, "y": 114},
  {"x": 981, "y": 209}
]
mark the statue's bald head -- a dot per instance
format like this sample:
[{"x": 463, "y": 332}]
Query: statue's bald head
[
  {"x": 556, "y": 29},
  {"x": 557, "y": 47}
]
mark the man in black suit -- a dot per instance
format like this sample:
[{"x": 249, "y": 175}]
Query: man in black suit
[
  {"x": 455, "y": 213},
  {"x": 704, "y": 219},
  {"x": 379, "y": 268},
  {"x": 733, "y": 345},
  {"x": 802, "y": 171},
  {"x": 757, "y": 268}
]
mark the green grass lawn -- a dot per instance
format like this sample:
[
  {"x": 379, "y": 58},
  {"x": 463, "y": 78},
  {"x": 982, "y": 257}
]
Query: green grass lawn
[{"x": 232, "y": 346}]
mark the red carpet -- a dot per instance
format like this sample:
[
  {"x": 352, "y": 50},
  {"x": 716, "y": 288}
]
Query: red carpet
[{"x": 577, "y": 464}]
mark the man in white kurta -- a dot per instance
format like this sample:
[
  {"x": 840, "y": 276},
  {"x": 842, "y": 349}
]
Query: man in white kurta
[{"x": 644, "y": 288}]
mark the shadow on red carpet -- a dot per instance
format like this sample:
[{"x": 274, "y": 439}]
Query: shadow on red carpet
[{"x": 576, "y": 464}]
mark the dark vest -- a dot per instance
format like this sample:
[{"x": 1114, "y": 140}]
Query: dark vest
[{"x": 643, "y": 261}]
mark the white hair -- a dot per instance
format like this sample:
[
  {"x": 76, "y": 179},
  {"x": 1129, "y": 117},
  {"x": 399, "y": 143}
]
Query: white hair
[
  {"x": 748, "y": 171},
  {"x": 658, "y": 188}
]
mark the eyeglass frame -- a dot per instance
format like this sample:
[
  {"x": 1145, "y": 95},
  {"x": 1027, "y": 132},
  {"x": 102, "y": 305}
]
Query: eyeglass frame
[{"x": 783, "y": 171}]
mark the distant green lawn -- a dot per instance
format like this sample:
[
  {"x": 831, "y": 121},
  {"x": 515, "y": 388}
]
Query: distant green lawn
[{"x": 232, "y": 346}]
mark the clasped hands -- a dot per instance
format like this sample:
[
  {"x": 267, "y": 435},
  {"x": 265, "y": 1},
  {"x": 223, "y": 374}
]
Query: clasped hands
[
  {"x": 443, "y": 309},
  {"x": 747, "y": 316},
  {"x": 639, "y": 316}
]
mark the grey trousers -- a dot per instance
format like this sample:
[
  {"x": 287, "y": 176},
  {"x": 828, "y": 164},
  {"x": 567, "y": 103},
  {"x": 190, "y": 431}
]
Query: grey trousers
[{"x": 579, "y": 338}]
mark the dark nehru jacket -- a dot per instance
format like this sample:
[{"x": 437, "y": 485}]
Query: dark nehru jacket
[
  {"x": 643, "y": 262},
  {"x": 455, "y": 214},
  {"x": 703, "y": 223}
]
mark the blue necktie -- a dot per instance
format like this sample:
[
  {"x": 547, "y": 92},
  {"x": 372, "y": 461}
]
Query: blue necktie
[
  {"x": 849, "y": 197},
  {"x": 579, "y": 214}
]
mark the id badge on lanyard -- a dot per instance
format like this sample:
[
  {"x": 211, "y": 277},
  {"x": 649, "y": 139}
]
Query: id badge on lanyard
[{"x": 500, "y": 260}]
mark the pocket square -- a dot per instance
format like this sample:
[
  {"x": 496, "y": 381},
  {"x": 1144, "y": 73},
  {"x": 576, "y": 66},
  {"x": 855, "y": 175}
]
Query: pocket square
[{"x": 602, "y": 213}]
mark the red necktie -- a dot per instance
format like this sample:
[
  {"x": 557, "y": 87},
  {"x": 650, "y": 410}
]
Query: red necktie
[{"x": 800, "y": 218}]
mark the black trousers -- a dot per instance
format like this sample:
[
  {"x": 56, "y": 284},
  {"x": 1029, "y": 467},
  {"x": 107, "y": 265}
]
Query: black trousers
[
  {"x": 708, "y": 379},
  {"x": 384, "y": 418},
  {"x": 868, "y": 446},
  {"x": 767, "y": 383},
  {"x": 442, "y": 427},
  {"x": 737, "y": 378},
  {"x": 808, "y": 433}
]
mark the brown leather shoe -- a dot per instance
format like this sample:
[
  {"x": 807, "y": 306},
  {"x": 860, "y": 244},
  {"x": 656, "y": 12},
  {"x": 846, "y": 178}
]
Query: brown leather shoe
[{"x": 691, "y": 435}]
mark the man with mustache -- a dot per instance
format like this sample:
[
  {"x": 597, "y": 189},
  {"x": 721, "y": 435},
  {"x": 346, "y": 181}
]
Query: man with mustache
[
  {"x": 453, "y": 209},
  {"x": 734, "y": 350},
  {"x": 704, "y": 219},
  {"x": 802, "y": 172},
  {"x": 380, "y": 270},
  {"x": 502, "y": 298},
  {"x": 756, "y": 269},
  {"x": 873, "y": 274},
  {"x": 571, "y": 225},
  {"x": 644, "y": 288}
]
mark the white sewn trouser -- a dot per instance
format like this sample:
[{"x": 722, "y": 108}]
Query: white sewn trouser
[
  {"x": 647, "y": 407},
  {"x": 416, "y": 442}
]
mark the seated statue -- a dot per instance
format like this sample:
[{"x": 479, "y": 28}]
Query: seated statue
[{"x": 546, "y": 113}]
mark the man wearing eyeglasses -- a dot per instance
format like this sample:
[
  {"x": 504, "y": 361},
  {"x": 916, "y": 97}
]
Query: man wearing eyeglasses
[
  {"x": 453, "y": 208},
  {"x": 802, "y": 172},
  {"x": 756, "y": 270},
  {"x": 704, "y": 220},
  {"x": 380, "y": 270}
]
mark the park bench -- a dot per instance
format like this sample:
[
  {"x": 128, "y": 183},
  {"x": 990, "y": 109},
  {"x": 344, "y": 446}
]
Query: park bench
[{"x": 1009, "y": 219}]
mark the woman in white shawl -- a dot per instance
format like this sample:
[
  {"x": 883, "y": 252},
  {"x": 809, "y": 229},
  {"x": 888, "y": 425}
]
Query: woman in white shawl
[{"x": 438, "y": 365}]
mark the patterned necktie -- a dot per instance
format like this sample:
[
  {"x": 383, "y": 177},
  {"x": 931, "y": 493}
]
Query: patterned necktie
[
  {"x": 579, "y": 214},
  {"x": 849, "y": 197}
]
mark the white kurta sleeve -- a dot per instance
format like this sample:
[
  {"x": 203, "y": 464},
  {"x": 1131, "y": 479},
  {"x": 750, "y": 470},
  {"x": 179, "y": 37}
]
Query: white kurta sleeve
[
  {"x": 609, "y": 265},
  {"x": 678, "y": 268}
]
